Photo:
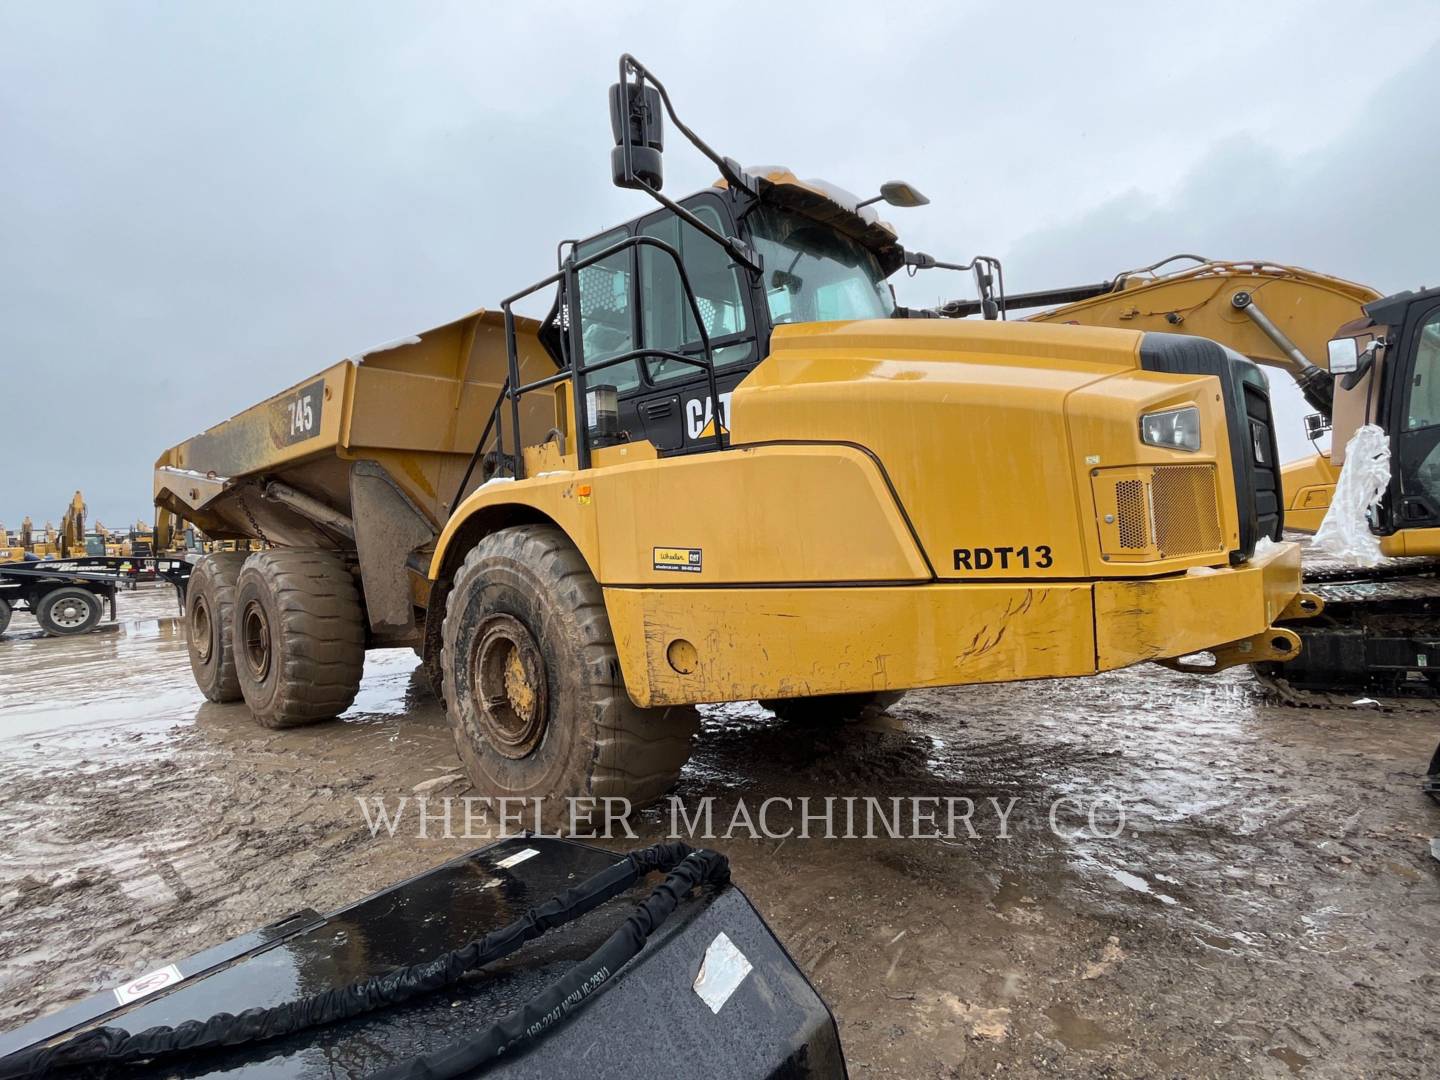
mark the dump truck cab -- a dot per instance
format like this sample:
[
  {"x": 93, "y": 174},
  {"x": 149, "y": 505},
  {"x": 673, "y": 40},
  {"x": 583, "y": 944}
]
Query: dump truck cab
[
  {"x": 724, "y": 467},
  {"x": 824, "y": 259}
]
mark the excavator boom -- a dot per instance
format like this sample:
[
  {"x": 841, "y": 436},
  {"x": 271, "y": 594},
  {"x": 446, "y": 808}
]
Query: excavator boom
[{"x": 1220, "y": 301}]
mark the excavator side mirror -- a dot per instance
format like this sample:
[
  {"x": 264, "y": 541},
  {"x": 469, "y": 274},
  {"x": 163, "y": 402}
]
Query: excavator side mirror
[
  {"x": 1344, "y": 355},
  {"x": 638, "y": 126}
]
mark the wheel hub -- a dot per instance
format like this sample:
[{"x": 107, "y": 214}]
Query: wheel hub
[
  {"x": 507, "y": 675},
  {"x": 70, "y": 612},
  {"x": 257, "y": 640},
  {"x": 200, "y": 630}
]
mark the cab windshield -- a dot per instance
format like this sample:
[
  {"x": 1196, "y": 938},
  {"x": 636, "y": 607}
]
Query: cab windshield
[{"x": 814, "y": 273}]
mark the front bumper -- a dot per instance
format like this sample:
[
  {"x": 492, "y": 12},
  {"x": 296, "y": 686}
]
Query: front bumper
[{"x": 796, "y": 642}]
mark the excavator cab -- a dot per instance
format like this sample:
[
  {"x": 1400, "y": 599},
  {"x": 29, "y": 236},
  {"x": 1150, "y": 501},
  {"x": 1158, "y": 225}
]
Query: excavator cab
[{"x": 1388, "y": 368}]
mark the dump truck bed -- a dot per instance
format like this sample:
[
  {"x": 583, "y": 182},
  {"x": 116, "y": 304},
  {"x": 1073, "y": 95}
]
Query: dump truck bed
[{"x": 414, "y": 408}]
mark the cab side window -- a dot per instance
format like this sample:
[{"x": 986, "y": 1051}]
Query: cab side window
[
  {"x": 1423, "y": 408},
  {"x": 607, "y": 326},
  {"x": 666, "y": 315}
]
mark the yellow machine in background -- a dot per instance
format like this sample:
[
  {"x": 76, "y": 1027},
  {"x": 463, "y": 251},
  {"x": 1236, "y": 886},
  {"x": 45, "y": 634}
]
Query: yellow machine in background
[
  {"x": 71, "y": 536},
  {"x": 48, "y": 543},
  {"x": 11, "y": 550},
  {"x": 720, "y": 469}
]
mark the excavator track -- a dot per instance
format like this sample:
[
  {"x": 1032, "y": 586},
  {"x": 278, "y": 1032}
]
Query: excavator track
[
  {"x": 1284, "y": 693},
  {"x": 1374, "y": 644}
]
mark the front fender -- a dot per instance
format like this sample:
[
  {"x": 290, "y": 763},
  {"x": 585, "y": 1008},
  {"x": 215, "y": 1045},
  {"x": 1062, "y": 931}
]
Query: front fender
[{"x": 560, "y": 498}]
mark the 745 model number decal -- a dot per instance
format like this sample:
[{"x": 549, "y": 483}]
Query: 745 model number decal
[
  {"x": 1004, "y": 558},
  {"x": 297, "y": 417}
]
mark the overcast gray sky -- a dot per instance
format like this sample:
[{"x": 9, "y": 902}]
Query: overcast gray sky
[{"x": 201, "y": 203}]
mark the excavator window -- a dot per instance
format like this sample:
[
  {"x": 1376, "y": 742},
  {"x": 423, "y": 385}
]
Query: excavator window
[
  {"x": 1416, "y": 451},
  {"x": 1423, "y": 409}
]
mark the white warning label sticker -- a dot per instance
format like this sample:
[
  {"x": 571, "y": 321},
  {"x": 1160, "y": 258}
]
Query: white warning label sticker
[
  {"x": 517, "y": 858},
  {"x": 721, "y": 972},
  {"x": 145, "y": 985}
]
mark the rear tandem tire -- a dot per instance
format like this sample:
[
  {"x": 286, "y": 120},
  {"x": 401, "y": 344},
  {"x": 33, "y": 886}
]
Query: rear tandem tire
[
  {"x": 533, "y": 688},
  {"x": 209, "y": 624},
  {"x": 832, "y": 708},
  {"x": 4, "y": 616},
  {"x": 68, "y": 610},
  {"x": 299, "y": 636}
]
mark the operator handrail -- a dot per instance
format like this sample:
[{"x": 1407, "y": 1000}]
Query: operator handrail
[{"x": 512, "y": 390}]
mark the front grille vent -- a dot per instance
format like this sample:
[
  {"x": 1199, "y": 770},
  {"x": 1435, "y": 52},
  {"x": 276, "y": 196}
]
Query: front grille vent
[
  {"x": 1132, "y": 511},
  {"x": 1187, "y": 521},
  {"x": 1149, "y": 513}
]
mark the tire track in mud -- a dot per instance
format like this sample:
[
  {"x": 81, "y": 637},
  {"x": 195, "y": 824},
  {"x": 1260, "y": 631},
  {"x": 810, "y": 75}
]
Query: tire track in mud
[{"x": 1302, "y": 933}]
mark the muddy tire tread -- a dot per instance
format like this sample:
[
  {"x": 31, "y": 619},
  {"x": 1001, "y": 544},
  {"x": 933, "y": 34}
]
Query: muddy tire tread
[
  {"x": 638, "y": 753},
  {"x": 322, "y": 626},
  {"x": 223, "y": 568}
]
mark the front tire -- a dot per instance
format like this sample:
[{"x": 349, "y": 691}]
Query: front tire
[
  {"x": 4, "y": 616},
  {"x": 533, "y": 688},
  {"x": 68, "y": 610},
  {"x": 298, "y": 635},
  {"x": 209, "y": 625}
]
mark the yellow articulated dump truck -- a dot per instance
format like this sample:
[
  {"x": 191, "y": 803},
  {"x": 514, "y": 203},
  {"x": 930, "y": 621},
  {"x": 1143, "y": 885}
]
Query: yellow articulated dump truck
[{"x": 724, "y": 467}]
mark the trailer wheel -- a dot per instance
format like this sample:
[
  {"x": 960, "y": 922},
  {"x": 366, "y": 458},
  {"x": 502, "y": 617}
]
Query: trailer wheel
[
  {"x": 533, "y": 687},
  {"x": 4, "y": 616},
  {"x": 209, "y": 624},
  {"x": 299, "y": 637},
  {"x": 831, "y": 708},
  {"x": 68, "y": 610}
]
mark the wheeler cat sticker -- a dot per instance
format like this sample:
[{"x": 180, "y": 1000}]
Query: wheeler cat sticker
[{"x": 684, "y": 560}]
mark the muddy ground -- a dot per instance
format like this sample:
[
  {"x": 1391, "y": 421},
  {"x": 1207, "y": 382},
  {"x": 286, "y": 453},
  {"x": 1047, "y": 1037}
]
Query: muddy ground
[{"x": 1268, "y": 908}]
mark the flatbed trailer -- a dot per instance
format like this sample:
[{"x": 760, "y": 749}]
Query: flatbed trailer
[{"x": 70, "y": 596}]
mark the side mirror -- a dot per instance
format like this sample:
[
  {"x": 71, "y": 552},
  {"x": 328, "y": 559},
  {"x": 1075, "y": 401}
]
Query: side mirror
[
  {"x": 636, "y": 121},
  {"x": 899, "y": 193},
  {"x": 1315, "y": 425},
  {"x": 1344, "y": 356}
]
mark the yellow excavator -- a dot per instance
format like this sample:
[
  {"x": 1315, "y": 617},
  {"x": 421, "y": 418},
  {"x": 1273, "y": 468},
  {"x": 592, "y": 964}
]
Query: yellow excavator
[
  {"x": 72, "y": 529},
  {"x": 1358, "y": 358}
]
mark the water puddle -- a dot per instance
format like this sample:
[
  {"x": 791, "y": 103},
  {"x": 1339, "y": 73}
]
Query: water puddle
[
  {"x": 1076, "y": 1032},
  {"x": 1293, "y": 1059}
]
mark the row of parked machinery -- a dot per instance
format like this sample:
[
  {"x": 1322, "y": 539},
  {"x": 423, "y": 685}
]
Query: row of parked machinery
[{"x": 66, "y": 577}]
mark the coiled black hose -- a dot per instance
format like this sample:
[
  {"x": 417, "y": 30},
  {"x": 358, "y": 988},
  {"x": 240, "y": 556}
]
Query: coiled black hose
[
  {"x": 686, "y": 867},
  {"x": 575, "y": 988}
]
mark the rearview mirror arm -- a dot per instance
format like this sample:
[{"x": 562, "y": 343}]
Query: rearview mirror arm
[
  {"x": 989, "y": 278},
  {"x": 729, "y": 169}
]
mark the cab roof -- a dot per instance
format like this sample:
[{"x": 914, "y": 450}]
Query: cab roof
[{"x": 830, "y": 205}]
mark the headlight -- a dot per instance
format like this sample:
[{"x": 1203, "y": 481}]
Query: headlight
[{"x": 1174, "y": 429}]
